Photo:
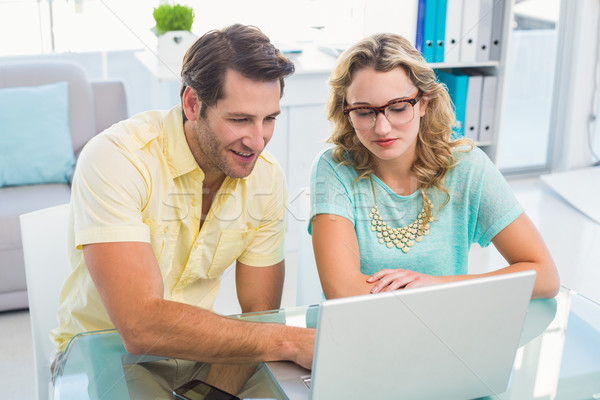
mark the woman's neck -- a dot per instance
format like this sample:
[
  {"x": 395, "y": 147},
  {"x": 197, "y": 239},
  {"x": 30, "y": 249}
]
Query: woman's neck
[{"x": 398, "y": 176}]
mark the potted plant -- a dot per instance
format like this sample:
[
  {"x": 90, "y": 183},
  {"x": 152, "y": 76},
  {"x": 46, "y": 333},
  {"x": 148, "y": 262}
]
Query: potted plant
[{"x": 173, "y": 28}]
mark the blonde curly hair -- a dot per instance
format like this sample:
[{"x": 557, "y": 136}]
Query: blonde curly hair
[{"x": 434, "y": 149}]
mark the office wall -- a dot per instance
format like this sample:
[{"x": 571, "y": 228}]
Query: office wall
[{"x": 578, "y": 54}]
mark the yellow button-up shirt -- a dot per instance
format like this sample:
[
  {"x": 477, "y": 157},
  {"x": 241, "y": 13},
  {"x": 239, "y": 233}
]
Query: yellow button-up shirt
[{"x": 138, "y": 181}]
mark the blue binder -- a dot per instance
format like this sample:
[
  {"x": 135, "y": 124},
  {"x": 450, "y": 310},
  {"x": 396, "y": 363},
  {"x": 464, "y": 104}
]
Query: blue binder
[
  {"x": 440, "y": 30},
  {"x": 420, "y": 26},
  {"x": 457, "y": 84},
  {"x": 429, "y": 31}
]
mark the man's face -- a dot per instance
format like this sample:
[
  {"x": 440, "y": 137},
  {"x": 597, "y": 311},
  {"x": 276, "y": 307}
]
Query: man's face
[{"x": 237, "y": 128}]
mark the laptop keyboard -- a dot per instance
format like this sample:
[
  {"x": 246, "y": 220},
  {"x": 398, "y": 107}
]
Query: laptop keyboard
[{"x": 306, "y": 379}]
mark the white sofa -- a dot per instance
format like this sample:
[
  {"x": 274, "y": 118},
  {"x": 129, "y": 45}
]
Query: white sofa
[{"x": 93, "y": 107}]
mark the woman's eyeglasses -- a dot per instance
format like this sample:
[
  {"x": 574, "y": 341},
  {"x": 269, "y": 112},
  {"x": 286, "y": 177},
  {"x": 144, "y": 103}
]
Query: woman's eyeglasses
[{"x": 398, "y": 112}]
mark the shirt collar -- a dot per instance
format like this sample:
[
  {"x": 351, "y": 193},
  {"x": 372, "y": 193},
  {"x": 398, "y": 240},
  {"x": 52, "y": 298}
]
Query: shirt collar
[{"x": 178, "y": 153}]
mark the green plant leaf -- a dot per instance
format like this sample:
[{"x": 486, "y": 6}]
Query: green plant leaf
[{"x": 173, "y": 18}]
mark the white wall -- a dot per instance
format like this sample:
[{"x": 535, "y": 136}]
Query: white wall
[{"x": 578, "y": 53}]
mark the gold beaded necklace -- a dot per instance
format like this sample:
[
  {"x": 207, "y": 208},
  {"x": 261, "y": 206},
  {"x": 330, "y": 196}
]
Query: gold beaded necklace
[{"x": 403, "y": 238}]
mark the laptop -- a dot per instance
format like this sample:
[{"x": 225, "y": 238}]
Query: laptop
[{"x": 449, "y": 341}]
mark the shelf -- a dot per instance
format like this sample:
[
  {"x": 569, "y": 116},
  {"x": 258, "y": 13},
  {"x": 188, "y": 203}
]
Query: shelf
[
  {"x": 162, "y": 71},
  {"x": 483, "y": 64},
  {"x": 309, "y": 61}
]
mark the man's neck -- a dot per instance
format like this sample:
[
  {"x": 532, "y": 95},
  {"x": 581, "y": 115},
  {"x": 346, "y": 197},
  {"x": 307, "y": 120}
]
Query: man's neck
[
  {"x": 212, "y": 183},
  {"x": 210, "y": 187},
  {"x": 189, "y": 133}
]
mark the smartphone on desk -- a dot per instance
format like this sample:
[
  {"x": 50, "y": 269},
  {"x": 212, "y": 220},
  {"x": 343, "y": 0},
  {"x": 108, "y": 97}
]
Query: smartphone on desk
[{"x": 199, "y": 390}]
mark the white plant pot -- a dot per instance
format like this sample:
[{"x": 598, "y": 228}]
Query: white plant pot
[{"x": 172, "y": 45}]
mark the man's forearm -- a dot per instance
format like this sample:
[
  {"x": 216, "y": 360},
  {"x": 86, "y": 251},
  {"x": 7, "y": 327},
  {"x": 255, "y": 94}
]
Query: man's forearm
[{"x": 182, "y": 331}]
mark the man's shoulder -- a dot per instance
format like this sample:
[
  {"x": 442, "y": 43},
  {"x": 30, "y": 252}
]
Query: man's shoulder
[
  {"x": 134, "y": 141},
  {"x": 136, "y": 131}
]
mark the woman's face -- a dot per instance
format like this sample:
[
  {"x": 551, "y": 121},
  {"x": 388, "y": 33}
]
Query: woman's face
[{"x": 389, "y": 142}]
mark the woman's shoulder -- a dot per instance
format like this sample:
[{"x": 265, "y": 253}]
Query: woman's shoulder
[
  {"x": 470, "y": 156},
  {"x": 470, "y": 163},
  {"x": 326, "y": 162},
  {"x": 328, "y": 159},
  {"x": 325, "y": 154}
]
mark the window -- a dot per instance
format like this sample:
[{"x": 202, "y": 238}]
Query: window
[
  {"x": 23, "y": 27},
  {"x": 45, "y": 26},
  {"x": 595, "y": 138},
  {"x": 594, "y": 128},
  {"x": 102, "y": 25},
  {"x": 526, "y": 118}
]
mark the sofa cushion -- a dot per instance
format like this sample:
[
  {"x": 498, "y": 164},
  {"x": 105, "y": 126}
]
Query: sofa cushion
[
  {"x": 19, "y": 200},
  {"x": 15, "y": 201},
  {"x": 82, "y": 121},
  {"x": 13, "y": 275},
  {"x": 35, "y": 143}
]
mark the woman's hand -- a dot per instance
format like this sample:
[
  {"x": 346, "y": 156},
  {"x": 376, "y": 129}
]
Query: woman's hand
[{"x": 394, "y": 279}]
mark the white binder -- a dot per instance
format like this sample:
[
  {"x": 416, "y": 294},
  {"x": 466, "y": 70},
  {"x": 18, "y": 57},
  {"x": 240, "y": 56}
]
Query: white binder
[
  {"x": 488, "y": 109},
  {"x": 484, "y": 33},
  {"x": 453, "y": 31},
  {"x": 469, "y": 31},
  {"x": 497, "y": 29},
  {"x": 473, "y": 106}
]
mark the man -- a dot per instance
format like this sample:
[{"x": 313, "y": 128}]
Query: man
[{"x": 164, "y": 202}]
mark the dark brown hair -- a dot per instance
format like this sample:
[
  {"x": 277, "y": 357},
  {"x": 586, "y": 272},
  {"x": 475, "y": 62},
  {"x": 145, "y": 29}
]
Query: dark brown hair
[{"x": 245, "y": 49}]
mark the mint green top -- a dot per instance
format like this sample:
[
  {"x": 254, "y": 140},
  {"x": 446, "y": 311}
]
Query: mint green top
[{"x": 481, "y": 204}]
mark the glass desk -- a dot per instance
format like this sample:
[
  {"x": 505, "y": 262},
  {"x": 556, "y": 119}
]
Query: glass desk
[{"x": 559, "y": 357}]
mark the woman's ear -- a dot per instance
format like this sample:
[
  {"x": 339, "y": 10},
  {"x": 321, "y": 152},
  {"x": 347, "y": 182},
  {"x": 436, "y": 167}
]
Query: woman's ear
[
  {"x": 191, "y": 104},
  {"x": 423, "y": 106}
]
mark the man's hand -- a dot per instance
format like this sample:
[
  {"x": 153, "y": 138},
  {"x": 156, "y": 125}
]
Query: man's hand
[
  {"x": 387, "y": 280},
  {"x": 305, "y": 340}
]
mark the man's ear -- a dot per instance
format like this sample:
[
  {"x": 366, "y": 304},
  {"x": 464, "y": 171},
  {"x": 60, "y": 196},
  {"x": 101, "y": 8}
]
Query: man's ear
[{"x": 191, "y": 104}]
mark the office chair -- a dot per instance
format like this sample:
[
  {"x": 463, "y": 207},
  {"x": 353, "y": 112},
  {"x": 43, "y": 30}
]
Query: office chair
[{"x": 44, "y": 235}]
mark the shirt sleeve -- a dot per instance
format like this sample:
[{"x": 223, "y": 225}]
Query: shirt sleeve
[
  {"x": 268, "y": 246},
  {"x": 330, "y": 189},
  {"x": 497, "y": 206},
  {"x": 107, "y": 195}
]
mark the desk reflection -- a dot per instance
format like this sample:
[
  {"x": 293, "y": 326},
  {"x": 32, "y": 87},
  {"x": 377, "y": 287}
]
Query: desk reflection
[{"x": 559, "y": 357}]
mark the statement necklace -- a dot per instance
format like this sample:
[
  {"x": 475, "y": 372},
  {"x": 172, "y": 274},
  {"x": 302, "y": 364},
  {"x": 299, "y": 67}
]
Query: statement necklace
[{"x": 403, "y": 238}]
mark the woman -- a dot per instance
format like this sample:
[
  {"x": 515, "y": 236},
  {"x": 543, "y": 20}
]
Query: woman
[{"x": 395, "y": 203}]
